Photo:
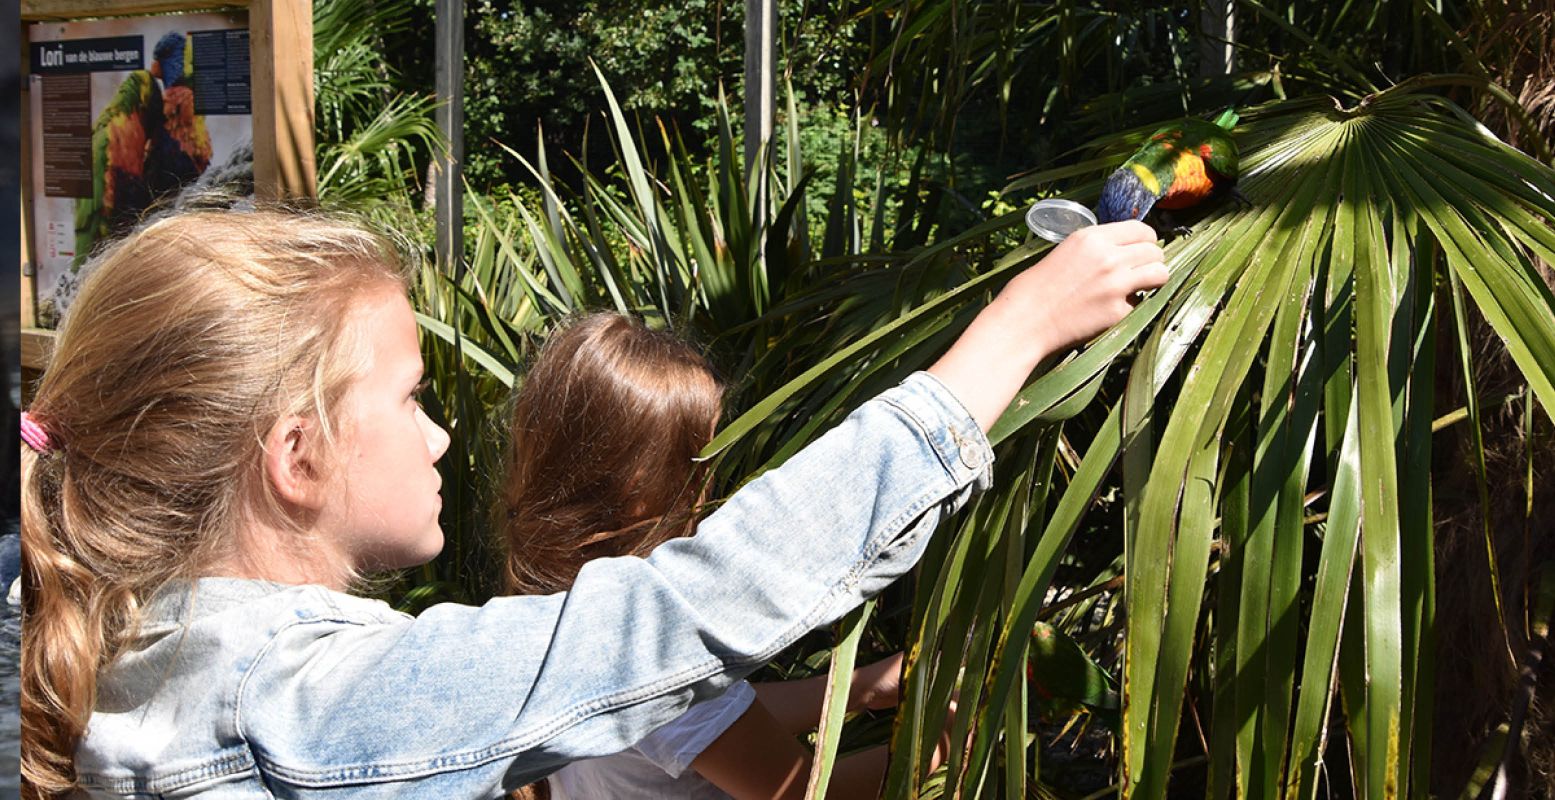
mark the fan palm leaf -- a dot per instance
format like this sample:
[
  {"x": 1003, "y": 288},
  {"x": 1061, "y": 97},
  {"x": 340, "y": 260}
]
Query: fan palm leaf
[{"x": 1290, "y": 356}]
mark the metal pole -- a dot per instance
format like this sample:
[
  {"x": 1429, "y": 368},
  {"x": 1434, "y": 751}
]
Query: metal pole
[
  {"x": 760, "y": 88},
  {"x": 449, "y": 216},
  {"x": 449, "y": 186},
  {"x": 760, "y": 76}
]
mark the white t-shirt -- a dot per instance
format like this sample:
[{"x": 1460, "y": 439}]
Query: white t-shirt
[{"x": 659, "y": 766}]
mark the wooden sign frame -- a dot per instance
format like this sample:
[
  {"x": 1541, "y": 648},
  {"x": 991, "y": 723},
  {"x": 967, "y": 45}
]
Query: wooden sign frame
[{"x": 281, "y": 81}]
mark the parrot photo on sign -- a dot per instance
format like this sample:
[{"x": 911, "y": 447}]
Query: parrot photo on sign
[
  {"x": 1180, "y": 166},
  {"x": 119, "y": 190},
  {"x": 181, "y": 150},
  {"x": 146, "y": 144}
]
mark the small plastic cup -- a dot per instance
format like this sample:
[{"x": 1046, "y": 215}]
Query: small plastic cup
[{"x": 1055, "y": 218}]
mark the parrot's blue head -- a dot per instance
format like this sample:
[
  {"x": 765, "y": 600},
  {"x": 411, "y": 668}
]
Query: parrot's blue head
[
  {"x": 168, "y": 58},
  {"x": 1125, "y": 196}
]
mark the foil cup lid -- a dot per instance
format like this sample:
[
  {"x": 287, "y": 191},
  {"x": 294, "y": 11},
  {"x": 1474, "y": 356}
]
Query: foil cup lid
[{"x": 1055, "y": 218}]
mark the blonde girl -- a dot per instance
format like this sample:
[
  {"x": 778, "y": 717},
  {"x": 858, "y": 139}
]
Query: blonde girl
[{"x": 229, "y": 436}]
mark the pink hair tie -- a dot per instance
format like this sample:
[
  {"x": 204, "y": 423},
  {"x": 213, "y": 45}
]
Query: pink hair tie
[{"x": 34, "y": 434}]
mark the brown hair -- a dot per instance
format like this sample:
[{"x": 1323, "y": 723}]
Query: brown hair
[
  {"x": 604, "y": 434},
  {"x": 187, "y": 343}
]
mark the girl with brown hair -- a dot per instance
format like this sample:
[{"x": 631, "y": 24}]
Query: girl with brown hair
[
  {"x": 602, "y": 462},
  {"x": 228, "y": 435}
]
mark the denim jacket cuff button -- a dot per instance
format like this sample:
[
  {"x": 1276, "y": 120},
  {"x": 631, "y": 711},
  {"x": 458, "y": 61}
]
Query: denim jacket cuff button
[
  {"x": 960, "y": 442},
  {"x": 971, "y": 454}
]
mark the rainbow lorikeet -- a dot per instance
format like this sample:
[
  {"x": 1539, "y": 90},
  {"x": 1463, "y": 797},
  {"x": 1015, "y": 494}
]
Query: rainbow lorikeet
[
  {"x": 182, "y": 149},
  {"x": 119, "y": 189},
  {"x": 1063, "y": 679},
  {"x": 1180, "y": 166},
  {"x": 146, "y": 143}
]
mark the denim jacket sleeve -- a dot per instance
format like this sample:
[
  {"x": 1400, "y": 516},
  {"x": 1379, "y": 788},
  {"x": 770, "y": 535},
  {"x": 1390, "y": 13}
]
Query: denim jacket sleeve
[{"x": 462, "y": 701}]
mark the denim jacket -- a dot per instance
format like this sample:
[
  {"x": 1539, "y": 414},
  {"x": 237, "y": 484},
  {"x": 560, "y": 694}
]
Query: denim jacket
[{"x": 248, "y": 689}]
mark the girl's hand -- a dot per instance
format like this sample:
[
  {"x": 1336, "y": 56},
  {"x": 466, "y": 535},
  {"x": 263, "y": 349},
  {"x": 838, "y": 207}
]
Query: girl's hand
[
  {"x": 1085, "y": 286},
  {"x": 879, "y": 685}
]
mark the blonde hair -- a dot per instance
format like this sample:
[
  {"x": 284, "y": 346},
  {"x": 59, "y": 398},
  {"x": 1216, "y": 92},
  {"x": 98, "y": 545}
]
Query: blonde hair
[{"x": 187, "y": 343}]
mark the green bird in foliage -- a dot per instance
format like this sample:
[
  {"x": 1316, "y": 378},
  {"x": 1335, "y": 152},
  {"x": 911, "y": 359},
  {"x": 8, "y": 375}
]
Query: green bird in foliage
[
  {"x": 1063, "y": 679},
  {"x": 1180, "y": 166}
]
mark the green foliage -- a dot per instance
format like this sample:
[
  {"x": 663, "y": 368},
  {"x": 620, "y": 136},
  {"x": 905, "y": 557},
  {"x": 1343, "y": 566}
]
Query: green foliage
[
  {"x": 529, "y": 64},
  {"x": 372, "y": 134}
]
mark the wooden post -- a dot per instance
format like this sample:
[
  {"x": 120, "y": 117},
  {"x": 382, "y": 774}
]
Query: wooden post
[
  {"x": 29, "y": 296},
  {"x": 35, "y": 346},
  {"x": 281, "y": 74},
  {"x": 449, "y": 186}
]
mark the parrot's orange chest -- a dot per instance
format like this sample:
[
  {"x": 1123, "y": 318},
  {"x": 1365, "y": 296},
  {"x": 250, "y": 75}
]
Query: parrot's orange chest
[{"x": 1190, "y": 182}]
